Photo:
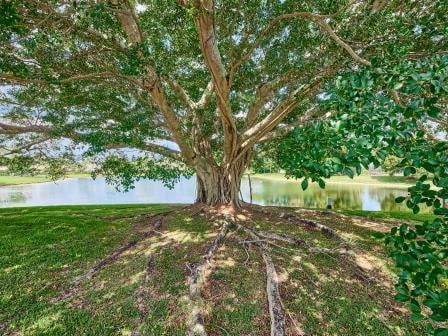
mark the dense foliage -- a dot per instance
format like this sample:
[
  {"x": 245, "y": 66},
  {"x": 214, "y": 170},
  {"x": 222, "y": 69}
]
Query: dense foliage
[{"x": 366, "y": 126}]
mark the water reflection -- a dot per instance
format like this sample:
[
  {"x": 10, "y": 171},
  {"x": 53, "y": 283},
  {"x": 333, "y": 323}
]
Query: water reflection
[
  {"x": 345, "y": 196},
  {"x": 265, "y": 192}
]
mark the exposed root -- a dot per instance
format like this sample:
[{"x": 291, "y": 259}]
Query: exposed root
[
  {"x": 195, "y": 281},
  {"x": 263, "y": 238},
  {"x": 276, "y": 311},
  {"x": 283, "y": 237},
  {"x": 198, "y": 272},
  {"x": 142, "y": 295},
  {"x": 275, "y": 303},
  {"x": 329, "y": 232},
  {"x": 111, "y": 258},
  {"x": 344, "y": 253},
  {"x": 158, "y": 220},
  {"x": 244, "y": 244}
]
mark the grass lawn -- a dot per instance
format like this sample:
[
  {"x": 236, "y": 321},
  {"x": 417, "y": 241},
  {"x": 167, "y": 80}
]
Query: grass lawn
[
  {"x": 42, "y": 249},
  {"x": 6, "y": 180},
  {"x": 391, "y": 181},
  {"x": 391, "y": 215}
]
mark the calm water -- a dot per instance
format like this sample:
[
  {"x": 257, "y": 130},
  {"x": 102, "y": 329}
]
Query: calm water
[{"x": 265, "y": 192}]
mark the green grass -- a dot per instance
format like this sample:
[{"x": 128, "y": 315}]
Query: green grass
[
  {"x": 14, "y": 180},
  {"x": 42, "y": 249},
  {"x": 391, "y": 215},
  {"x": 393, "y": 181},
  {"x": 6, "y": 180}
]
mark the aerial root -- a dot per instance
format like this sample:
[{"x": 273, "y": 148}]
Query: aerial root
[
  {"x": 157, "y": 221},
  {"x": 276, "y": 310},
  {"x": 195, "y": 281}
]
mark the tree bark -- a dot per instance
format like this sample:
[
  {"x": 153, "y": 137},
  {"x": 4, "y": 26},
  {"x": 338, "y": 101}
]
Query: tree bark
[{"x": 220, "y": 185}]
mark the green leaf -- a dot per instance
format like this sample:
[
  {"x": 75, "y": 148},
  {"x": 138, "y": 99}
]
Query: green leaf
[
  {"x": 402, "y": 297},
  {"x": 415, "y": 307},
  {"x": 400, "y": 199},
  {"x": 336, "y": 160},
  {"x": 416, "y": 209},
  {"x": 408, "y": 171},
  {"x": 441, "y": 211},
  {"x": 441, "y": 332},
  {"x": 321, "y": 183},
  {"x": 416, "y": 317},
  {"x": 378, "y": 235},
  {"x": 304, "y": 184}
]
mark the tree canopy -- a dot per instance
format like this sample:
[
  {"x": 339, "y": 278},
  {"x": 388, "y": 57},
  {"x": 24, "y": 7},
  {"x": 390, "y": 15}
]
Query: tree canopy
[{"x": 202, "y": 83}]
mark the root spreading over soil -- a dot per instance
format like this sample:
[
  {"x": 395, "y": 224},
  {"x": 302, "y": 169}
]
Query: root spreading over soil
[
  {"x": 156, "y": 223},
  {"x": 266, "y": 242},
  {"x": 196, "y": 279}
]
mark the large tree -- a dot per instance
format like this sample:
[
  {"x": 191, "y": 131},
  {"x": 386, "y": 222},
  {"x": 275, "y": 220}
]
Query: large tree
[
  {"x": 203, "y": 83},
  {"x": 202, "y": 86}
]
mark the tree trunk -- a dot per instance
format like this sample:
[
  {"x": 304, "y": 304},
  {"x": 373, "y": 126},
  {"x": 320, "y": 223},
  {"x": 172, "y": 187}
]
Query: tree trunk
[{"x": 219, "y": 185}]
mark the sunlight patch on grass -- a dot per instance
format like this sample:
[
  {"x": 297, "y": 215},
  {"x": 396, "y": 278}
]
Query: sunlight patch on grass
[{"x": 45, "y": 248}]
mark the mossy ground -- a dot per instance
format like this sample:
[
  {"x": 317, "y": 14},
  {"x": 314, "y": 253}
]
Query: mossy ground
[{"x": 43, "y": 248}]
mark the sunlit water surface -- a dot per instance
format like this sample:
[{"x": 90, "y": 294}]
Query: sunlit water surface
[{"x": 265, "y": 192}]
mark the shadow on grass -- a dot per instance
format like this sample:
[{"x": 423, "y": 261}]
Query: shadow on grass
[{"x": 42, "y": 250}]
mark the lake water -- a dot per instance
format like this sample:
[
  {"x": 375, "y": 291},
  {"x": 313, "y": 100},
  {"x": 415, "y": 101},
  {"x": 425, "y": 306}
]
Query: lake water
[{"x": 265, "y": 192}]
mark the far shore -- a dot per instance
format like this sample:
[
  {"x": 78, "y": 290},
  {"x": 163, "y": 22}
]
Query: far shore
[
  {"x": 381, "y": 180},
  {"x": 11, "y": 180},
  {"x": 365, "y": 179}
]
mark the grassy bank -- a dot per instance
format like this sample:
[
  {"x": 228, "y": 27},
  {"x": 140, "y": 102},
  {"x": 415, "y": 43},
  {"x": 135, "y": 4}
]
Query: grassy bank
[
  {"x": 391, "y": 215},
  {"x": 391, "y": 181},
  {"x": 42, "y": 249},
  {"x": 6, "y": 180}
]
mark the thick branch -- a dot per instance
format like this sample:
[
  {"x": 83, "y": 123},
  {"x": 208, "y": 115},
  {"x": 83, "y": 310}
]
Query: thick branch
[
  {"x": 264, "y": 92},
  {"x": 15, "y": 80},
  {"x": 212, "y": 56},
  {"x": 318, "y": 18},
  {"x": 9, "y": 129},
  {"x": 325, "y": 26},
  {"x": 181, "y": 93},
  {"x": 172, "y": 121},
  {"x": 256, "y": 132},
  {"x": 14, "y": 129},
  {"x": 304, "y": 119},
  {"x": 152, "y": 83},
  {"x": 206, "y": 96},
  {"x": 26, "y": 146},
  {"x": 129, "y": 22},
  {"x": 185, "y": 97}
]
